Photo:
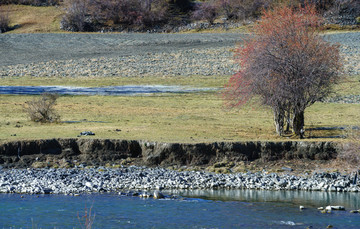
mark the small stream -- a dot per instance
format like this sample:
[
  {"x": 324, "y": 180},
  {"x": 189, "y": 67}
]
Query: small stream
[{"x": 113, "y": 90}]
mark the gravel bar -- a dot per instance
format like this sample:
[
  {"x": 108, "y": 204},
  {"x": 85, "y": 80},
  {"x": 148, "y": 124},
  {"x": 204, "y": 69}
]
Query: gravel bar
[
  {"x": 106, "y": 55},
  {"x": 101, "y": 179}
]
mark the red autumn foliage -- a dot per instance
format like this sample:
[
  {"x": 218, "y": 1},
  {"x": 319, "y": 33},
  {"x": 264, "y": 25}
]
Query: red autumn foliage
[{"x": 287, "y": 64}]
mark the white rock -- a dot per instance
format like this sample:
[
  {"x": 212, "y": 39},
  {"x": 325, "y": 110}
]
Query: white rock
[
  {"x": 88, "y": 184},
  {"x": 158, "y": 195},
  {"x": 335, "y": 207}
]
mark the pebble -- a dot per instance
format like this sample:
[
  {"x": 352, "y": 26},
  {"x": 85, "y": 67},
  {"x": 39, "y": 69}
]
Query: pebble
[
  {"x": 338, "y": 208},
  {"x": 95, "y": 180}
]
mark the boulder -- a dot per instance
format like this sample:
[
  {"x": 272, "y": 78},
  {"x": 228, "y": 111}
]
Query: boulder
[{"x": 158, "y": 195}]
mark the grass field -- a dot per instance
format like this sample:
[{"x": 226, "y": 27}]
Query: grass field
[
  {"x": 31, "y": 19},
  {"x": 193, "y": 117}
]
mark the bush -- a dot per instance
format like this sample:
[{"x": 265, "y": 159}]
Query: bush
[
  {"x": 90, "y": 15},
  {"x": 322, "y": 5},
  {"x": 77, "y": 17},
  {"x": 32, "y": 2},
  {"x": 131, "y": 12},
  {"x": 206, "y": 11},
  {"x": 4, "y": 22},
  {"x": 350, "y": 152},
  {"x": 182, "y": 5},
  {"x": 242, "y": 9},
  {"x": 345, "y": 10},
  {"x": 42, "y": 110}
]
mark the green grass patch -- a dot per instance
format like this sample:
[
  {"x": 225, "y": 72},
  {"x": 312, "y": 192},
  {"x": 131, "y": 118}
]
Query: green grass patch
[
  {"x": 350, "y": 85},
  {"x": 194, "y": 81}
]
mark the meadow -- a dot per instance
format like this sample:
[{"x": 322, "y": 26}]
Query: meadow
[
  {"x": 185, "y": 117},
  {"x": 172, "y": 117}
]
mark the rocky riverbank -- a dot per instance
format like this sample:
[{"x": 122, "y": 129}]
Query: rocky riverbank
[
  {"x": 101, "y": 179},
  {"x": 71, "y": 166}
]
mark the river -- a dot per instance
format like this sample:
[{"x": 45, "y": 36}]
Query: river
[{"x": 194, "y": 209}]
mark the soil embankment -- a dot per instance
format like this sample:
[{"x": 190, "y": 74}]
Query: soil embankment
[{"x": 98, "y": 152}]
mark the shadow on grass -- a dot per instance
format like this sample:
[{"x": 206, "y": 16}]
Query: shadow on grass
[{"x": 334, "y": 132}]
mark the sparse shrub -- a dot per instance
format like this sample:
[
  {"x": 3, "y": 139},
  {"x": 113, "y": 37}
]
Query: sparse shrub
[
  {"x": 131, "y": 12},
  {"x": 322, "y": 5},
  {"x": 87, "y": 220},
  {"x": 42, "y": 109},
  {"x": 116, "y": 11},
  {"x": 181, "y": 5},
  {"x": 155, "y": 12},
  {"x": 350, "y": 152},
  {"x": 4, "y": 22},
  {"x": 343, "y": 12},
  {"x": 77, "y": 17},
  {"x": 90, "y": 15},
  {"x": 206, "y": 11},
  {"x": 32, "y": 2},
  {"x": 44, "y": 2},
  {"x": 241, "y": 9}
]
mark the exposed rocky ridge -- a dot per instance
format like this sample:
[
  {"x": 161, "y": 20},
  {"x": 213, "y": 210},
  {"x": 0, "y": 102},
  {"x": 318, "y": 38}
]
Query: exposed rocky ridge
[{"x": 97, "y": 152}]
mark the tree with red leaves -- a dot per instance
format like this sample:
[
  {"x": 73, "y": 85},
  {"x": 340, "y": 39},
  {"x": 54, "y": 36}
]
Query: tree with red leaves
[{"x": 287, "y": 64}]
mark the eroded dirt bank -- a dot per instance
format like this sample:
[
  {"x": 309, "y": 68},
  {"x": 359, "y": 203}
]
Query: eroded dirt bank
[{"x": 98, "y": 152}]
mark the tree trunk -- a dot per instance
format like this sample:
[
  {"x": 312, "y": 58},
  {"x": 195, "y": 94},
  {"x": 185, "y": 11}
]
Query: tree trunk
[
  {"x": 288, "y": 121},
  {"x": 298, "y": 123},
  {"x": 148, "y": 5},
  {"x": 279, "y": 120}
]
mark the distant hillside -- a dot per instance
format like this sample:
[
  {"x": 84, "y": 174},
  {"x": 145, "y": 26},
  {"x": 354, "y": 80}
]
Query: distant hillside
[
  {"x": 52, "y": 16},
  {"x": 31, "y": 19}
]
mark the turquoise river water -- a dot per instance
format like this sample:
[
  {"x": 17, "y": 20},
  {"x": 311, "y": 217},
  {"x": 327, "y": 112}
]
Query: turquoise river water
[{"x": 197, "y": 209}]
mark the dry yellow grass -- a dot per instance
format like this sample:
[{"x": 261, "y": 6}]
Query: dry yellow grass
[
  {"x": 195, "y": 117},
  {"x": 168, "y": 118},
  {"x": 30, "y": 19}
]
